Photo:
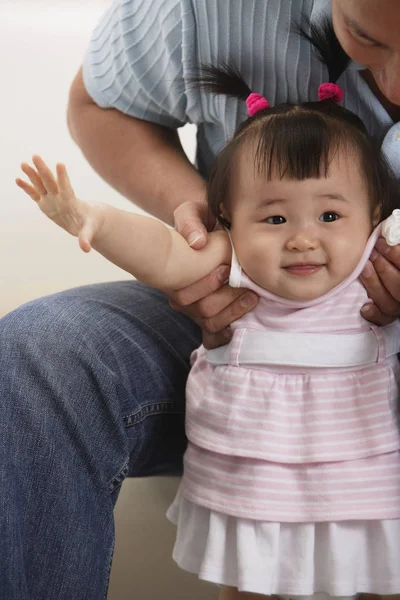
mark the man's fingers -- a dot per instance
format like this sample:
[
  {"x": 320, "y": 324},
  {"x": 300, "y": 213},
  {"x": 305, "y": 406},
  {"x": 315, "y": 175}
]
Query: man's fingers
[
  {"x": 190, "y": 220},
  {"x": 386, "y": 262},
  {"x": 234, "y": 311},
  {"x": 379, "y": 278},
  {"x": 194, "y": 233},
  {"x": 215, "y": 303},
  {"x": 215, "y": 340},
  {"x": 213, "y": 310},
  {"x": 377, "y": 291},
  {"x": 371, "y": 313},
  {"x": 209, "y": 306},
  {"x": 195, "y": 292},
  {"x": 218, "y": 310},
  {"x": 392, "y": 253}
]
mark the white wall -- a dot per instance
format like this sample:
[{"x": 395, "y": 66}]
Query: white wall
[
  {"x": 42, "y": 43},
  {"x": 41, "y": 48}
]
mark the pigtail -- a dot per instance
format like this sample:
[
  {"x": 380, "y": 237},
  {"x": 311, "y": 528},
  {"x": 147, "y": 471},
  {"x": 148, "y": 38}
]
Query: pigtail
[
  {"x": 221, "y": 79},
  {"x": 323, "y": 39}
]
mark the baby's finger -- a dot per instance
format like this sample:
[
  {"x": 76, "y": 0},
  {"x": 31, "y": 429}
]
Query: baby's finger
[
  {"x": 63, "y": 179},
  {"x": 35, "y": 179},
  {"x": 28, "y": 189},
  {"x": 45, "y": 173}
]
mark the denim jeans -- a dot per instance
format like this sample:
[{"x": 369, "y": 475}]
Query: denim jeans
[{"x": 91, "y": 391}]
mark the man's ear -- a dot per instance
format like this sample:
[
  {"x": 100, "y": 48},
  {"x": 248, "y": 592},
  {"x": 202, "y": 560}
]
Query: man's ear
[{"x": 376, "y": 216}]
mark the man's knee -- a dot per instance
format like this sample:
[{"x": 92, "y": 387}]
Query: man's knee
[{"x": 46, "y": 327}]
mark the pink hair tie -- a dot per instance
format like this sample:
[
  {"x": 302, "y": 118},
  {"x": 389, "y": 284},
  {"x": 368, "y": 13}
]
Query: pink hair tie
[
  {"x": 255, "y": 103},
  {"x": 330, "y": 91}
]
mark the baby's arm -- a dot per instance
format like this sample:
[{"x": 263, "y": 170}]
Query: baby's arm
[
  {"x": 143, "y": 246},
  {"x": 155, "y": 254}
]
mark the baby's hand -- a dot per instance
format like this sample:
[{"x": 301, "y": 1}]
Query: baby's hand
[{"x": 56, "y": 198}]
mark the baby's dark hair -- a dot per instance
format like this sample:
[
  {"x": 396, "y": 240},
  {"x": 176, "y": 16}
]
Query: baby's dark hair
[{"x": 298, "y": 141}]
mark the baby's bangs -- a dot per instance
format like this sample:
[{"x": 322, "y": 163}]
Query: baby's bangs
[{"x": 298, "y": 145}]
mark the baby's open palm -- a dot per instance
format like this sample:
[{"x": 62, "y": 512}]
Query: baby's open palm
[{"x": 56, "y": 198}]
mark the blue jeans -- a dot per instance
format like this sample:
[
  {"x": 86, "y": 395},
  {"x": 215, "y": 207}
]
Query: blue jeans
[{"x": 91, "y": 391}]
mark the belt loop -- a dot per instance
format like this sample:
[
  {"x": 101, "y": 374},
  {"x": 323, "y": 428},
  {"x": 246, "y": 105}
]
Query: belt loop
[
  {"x": 236, "y": 345},
  {"x": 380, "y": 338}
]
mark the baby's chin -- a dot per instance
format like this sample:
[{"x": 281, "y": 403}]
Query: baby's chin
[
  {"x": 300, "y": 291},
  {"x": 306, "y": 296}
]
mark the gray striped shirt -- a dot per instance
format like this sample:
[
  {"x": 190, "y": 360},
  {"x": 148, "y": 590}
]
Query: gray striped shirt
[{"x": 143, "y": 51}]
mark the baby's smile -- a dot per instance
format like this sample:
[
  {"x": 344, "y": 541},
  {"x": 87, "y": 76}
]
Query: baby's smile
[{"x": 303, "y": 269}]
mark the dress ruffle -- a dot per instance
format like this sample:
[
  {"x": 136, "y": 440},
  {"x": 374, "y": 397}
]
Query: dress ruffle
[
  {"x": 282, "y": 416},
  {"x": 297, "y": 559}
]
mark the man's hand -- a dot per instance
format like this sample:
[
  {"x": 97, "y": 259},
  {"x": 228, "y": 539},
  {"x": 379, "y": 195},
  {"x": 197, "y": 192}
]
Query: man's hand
[
  {"x": 193, "y": 220},
  {"x": 213, "y": 305},
  {"x": 381, "y": 278},
  {"x": 210, "y": 302}
]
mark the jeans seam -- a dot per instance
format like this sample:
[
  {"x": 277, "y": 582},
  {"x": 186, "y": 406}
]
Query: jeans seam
[
  {"x": 119, "y": 477},
  {"x": 150, "y": 409},
  {"x": 110, "y": 560}
]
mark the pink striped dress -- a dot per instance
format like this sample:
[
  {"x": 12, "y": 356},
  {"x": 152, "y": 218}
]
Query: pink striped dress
[{"x": 295, "y": 444}]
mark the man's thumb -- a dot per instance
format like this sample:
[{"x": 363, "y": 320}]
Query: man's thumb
[
  {"x": 196, "y": 239},
  {"x": 189, "y": 224}
]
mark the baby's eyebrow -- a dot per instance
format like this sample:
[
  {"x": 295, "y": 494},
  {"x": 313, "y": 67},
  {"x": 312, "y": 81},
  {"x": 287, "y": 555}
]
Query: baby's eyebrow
[
  {"x": 333, "y": 197},
  {"x": 269, "y": 202}
]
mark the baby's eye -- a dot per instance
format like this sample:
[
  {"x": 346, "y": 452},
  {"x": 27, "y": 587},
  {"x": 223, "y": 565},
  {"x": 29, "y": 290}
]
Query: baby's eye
[
  {"x": 328, "y": 217},
  {"x": 276, "y": 220}
]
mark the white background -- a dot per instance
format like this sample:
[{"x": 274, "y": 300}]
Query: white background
[{"x": 42, "y": 44}]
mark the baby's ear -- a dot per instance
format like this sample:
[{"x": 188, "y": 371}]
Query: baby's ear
[
  {"x": 376, "y": 216},
  {"x": 223, "y": 211},
  {"x": 224, "y": 216}
]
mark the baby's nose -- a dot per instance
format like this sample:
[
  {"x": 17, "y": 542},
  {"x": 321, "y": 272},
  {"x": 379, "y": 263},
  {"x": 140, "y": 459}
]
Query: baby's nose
[{"x": 302, "y": 241}]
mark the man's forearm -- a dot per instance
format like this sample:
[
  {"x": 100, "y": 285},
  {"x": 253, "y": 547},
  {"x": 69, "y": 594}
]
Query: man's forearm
[{"x": 143, "y": 161}]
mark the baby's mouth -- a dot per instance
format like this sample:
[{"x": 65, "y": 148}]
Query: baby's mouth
[{"x": 303, "y": 269}]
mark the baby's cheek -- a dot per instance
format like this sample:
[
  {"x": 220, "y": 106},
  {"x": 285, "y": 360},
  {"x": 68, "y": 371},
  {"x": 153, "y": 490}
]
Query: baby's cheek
[{"x": 349, "y": 254}]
